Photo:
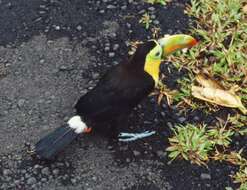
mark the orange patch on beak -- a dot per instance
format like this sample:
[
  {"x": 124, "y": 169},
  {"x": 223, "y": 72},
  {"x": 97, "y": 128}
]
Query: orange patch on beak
[
  {"x": 172, "y": 48},
  {"x": 193, "y": 42}
]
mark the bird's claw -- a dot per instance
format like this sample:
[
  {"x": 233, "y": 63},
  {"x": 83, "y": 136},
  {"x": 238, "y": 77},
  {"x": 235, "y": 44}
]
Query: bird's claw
[{"x": 126, "y": 137}]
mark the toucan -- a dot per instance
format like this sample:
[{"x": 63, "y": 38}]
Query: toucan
[{"x": 118, "y": 91}]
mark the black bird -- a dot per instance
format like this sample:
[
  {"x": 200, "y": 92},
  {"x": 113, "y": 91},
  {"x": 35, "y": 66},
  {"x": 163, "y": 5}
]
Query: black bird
[{"x": 116, "y": 94}]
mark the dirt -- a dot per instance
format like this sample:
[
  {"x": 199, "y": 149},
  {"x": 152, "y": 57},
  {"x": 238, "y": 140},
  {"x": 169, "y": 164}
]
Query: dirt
[{"x": 54, "y": 51}]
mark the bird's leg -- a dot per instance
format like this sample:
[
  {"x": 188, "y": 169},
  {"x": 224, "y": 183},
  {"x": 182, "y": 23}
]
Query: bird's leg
[
  {"x": 118, "y": 123},
  {"x": 121, "y": 123},
  {"x": 127, "y": 137}
]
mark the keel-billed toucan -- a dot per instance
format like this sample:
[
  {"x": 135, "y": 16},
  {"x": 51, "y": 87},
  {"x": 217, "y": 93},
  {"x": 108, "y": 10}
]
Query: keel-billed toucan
[{"x": 116, "y": 94}]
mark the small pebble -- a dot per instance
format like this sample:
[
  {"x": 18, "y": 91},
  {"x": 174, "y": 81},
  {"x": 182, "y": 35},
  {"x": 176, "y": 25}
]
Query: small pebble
[
  {"x": 45, "y": 171},
  {"x": 182, "y": 119},
  {"x": 151, "y": 9},
  {"x": 115, "y": 47},
  {"x": 31, "y": 181},
  {"x": 55, "y": 171},
  {"x": 21, "y": 103},
  {"x": 111, "y": 7},
  {"x": 79, "y": 27},
  {"x": 205, "y": 176},
  {"x": 111, "y": 54},
  {"x": 57, "y": 27},
  {"x": 161, "y": 153},
  {"x": 136, "y": 153},
  {"x": 41, "y": 61},
  {"x": 156, "y": 22},
  {"x": 107, "y": 48},
  {"x": 6, "y": 172}
]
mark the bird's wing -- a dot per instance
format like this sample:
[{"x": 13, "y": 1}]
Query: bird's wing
[{"x": 117, "y": 92}]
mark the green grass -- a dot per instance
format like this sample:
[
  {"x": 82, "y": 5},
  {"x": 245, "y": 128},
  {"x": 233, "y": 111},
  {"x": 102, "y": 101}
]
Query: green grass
[
  {"x": 146, "y": 20},
  {"x": 191, "y": 143},
  {"x": 222, "y": 28},
  {"x": 222, "y": 53},
  {"x": 162, "y": 2}
]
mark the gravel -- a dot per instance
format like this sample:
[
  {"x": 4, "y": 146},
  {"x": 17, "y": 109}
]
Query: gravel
[
  {"x": 205, "y": 176},
  {"x": 52, "y": 52},
  {"x": 31, "y": 181}
]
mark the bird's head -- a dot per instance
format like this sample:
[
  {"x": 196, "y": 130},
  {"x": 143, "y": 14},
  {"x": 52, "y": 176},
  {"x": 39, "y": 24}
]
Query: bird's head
[{"x": 156, "y": 51}]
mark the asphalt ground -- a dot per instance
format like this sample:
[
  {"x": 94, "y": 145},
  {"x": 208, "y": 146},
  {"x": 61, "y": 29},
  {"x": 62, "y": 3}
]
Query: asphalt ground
[{"x": 54, "y": 51}]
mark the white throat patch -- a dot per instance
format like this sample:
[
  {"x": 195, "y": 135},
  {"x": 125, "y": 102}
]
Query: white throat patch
[{"x": 76, "y": 123}]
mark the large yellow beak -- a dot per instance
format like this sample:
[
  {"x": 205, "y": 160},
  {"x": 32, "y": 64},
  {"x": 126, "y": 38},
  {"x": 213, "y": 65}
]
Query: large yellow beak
[{"x": 176, "y": 42}]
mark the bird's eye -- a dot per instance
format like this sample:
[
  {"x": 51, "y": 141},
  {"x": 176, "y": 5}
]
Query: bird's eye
[{"x": 157, "y": 54}]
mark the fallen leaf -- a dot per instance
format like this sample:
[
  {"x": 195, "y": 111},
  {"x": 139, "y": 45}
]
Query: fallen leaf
[
  {"x": 219, "y": 97},
  {"x": 206, "y": 81},
  {"x": 245, "y": 9},
  {"x": 213, "y": 92}
]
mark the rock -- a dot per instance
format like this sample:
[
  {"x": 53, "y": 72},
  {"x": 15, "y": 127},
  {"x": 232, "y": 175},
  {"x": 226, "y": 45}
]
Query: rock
[
  {"x": 95, "y": 75},
  {"x": 181, "y": 119},
  {"x": 111, "y": 54},
  {"x": 57, "y": 28},
  {"x": 205, "y": 176},
  {"x": 31, "y": 181},
  {"x": 3, "y": 69},
  {"x": 55, "y": 171},
  {"x": 136, "y": 153},
  {"x": 20, "y": 103},
  {"x": 6, "y": 172},
  {"x": 156, "y": 22},
  {"x": 43, "y": 179},
  {"x": 45, "y": 171},
  {"x": 115, "y": 47},
  {"x": 111, "y": 7},
  {"x": 151, "y": 8},
  {"x": 124, "y": 7},
  {"x": 110, "y": 147},
  {"x": 79, "y": 27},
  {"x": 73, "y": 180},
  {"x": 161, "y": 154},
  {"x": 107, "y": 48},
  {"x": 196, "y": 118},
  {"x": 63, "y": 68},
  {"x": 128, "y": 25}
]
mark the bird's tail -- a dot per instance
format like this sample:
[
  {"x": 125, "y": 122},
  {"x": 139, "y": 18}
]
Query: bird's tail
[{"x": 49, "y": 146}]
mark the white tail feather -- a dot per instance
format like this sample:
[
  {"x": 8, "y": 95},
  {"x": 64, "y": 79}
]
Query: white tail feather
[{"x": 76, "y": 123}]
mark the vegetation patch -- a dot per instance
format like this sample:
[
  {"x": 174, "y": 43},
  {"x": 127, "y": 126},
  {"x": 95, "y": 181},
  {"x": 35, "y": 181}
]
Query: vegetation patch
[{"x": 221, "y": 55}]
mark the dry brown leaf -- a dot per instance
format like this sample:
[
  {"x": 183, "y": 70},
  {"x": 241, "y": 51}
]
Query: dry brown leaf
[
  {"x": 206, "y": 81},
  {"x": 214, "y": 93},
  {"x": 245, "y": 9},
  {"x": 219, "y": 97}
]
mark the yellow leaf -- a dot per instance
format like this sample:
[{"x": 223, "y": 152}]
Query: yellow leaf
[
  {"x": 245, "y": 9},
  {"x": 219, "y": 97},
  {"x": 206, "y": 81}
]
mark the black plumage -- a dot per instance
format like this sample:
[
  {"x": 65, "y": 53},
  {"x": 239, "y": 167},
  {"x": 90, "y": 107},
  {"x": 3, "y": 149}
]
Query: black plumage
[{"x": 119, "y": 90}]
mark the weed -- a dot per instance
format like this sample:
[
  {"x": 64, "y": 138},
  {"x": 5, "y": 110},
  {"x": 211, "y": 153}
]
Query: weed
[
  {"x": 162, "y": 2},
  {"x": 146, "y": 20},
  {"x": 222, "y": 53},
  {"x": 190, "y": 143}
]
